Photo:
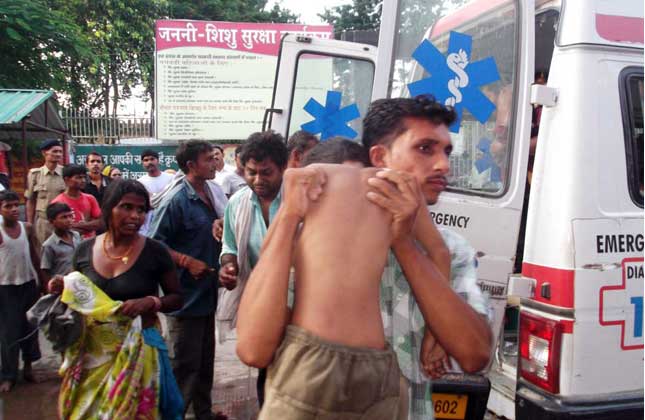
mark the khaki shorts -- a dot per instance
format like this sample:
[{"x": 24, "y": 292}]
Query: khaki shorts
[{"x": 310, "y": 378}]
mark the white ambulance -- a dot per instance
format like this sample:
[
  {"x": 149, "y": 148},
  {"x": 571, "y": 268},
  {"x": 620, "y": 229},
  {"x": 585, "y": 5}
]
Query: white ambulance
[{"x": 558, "y": 166}]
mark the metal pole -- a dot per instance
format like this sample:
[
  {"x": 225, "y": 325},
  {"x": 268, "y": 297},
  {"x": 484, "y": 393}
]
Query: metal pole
[
  {"x": 388, "y": 35},
  {"x": 25, "y": 165},
  {"x": 65, "y": 151}
]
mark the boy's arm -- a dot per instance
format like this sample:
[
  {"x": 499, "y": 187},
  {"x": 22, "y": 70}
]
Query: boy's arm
[
  {"x": 263, "y": 312},
  {"x": 34, "y": 255},
  {"x": 462, "y": 332},
  {"x": 46, "y": 276},
  {"x": 46, "y": 263}
]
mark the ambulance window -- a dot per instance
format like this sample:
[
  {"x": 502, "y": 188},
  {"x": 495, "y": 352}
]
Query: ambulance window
[
  {"x": 316, "y": 74},
  {"x": 632, "y": 100},
  {"x": 481, "y": 157}
]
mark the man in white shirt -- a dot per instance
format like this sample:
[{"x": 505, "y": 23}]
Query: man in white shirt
[
  {"x": 155, "y": 181},
  {"x": 233, "y": 181},
  {"x": 223, "y": 170}
]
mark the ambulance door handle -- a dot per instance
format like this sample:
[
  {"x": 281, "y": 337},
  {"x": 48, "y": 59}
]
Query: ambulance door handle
[
  {"x": 520, "y": 286},
  {"x": 544, "y": 95},
  {"x": 545, "y": 290}
]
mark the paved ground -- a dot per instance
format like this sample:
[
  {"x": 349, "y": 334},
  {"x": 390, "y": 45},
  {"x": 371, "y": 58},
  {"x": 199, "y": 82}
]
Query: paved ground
[{"x": 234, "y": 392}]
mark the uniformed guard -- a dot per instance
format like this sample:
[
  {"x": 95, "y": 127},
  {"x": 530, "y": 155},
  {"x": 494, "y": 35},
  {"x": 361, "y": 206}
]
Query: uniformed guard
[{"x": 43, "y": 184}]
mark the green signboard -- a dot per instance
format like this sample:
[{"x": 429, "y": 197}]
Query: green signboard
[{"x": 127, "y": 158}]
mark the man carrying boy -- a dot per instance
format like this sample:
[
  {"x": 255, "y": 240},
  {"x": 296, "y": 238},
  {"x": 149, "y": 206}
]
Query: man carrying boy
[
  {"x": 418, "y": 354},
  {"x": 18, "y": 292},
  {"x": 332, "y": 359},
  {"x": 338, "y": 283},
  {"x": 85, "y": 208},
  {"x": 411, "y": 135},
  {"x": 56, "y": 258}
]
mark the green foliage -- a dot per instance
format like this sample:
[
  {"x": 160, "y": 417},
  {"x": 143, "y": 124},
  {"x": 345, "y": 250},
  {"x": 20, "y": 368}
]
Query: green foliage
[
  {"x": 96, "y": 51},
  {"x": 360, "y": 15},
  {"x": 415, "y": 16},
  {"x": 229, "y": 10},
  {"x": 38, "y": 46},
  {"x": 120, "y": 34}
]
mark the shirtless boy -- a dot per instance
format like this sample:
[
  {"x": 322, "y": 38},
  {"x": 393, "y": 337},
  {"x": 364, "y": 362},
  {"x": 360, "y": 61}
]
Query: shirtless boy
[{"x": 333, "y": 359}]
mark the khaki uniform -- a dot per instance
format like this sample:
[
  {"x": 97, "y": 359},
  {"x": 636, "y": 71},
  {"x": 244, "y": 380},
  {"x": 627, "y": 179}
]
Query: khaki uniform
[{"x": 43, "y": 186}]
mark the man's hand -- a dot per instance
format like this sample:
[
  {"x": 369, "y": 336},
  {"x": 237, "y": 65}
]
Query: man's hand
[
  {"x": 434, "y": 359},
  {"x": 55, "y": 285},
  {"x": 197, "y": 268},
  {"x": 228, "y": 275},
  {"x": 301, "y": 187},
  {"x": 398, "y": 193},
  {"x": 135, "y": 307},
  {"x": 218, "y": 229}
]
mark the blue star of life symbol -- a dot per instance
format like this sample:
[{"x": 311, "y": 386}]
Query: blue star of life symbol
[
  {"x": 331, "y": 120},
  {"x": 454, "y": 80}
]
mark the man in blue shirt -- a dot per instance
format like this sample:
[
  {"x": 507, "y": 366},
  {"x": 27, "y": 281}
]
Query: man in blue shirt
[
  {"x": 247, "y": 218},
  {"x": 184, "y": 222}
]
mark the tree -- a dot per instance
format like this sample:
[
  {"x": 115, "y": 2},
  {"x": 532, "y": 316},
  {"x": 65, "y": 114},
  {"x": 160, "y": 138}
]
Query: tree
[
  {"x": 360, "y": 15},
  {"x": 96, "y": 51},
  {"x": 229, "y": 10},
  {"x": 38, "y": 46},
  {"x": 120, "y": 35},
  {"x": 415, "y": 16}
]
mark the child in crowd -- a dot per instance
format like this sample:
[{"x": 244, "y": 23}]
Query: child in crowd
[
  {"x": 56, "y": 258},
  {"x": 85, "y": 208},
  {"x": 18, "y": 292}
]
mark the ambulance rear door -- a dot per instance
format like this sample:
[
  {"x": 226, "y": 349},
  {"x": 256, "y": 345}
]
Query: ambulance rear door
[
  {"x": 495, "y": 41},
  {"x": 324, "y": 83}
]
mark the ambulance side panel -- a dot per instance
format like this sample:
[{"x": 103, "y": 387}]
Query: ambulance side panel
[
  {"x": 580, "y": 192},
  {"x": 608, "y": 240}
]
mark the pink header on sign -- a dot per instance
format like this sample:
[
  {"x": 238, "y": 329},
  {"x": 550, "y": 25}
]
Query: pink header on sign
[{"x": 258, "y": 38}]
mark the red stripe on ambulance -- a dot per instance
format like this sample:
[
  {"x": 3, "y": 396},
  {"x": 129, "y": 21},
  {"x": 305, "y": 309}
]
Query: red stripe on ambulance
[
  {"x": 620, "y": 28},
  {"x": 559, "y": 281}
]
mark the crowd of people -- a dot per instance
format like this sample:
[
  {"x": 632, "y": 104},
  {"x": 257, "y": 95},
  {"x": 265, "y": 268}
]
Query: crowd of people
[{"x": 323, "y": 256}]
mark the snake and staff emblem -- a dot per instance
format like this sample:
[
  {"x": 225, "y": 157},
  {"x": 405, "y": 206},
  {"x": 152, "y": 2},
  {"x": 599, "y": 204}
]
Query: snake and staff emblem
[
  {"x": 457, "y": 62},
  {"x": 454, "y": 78}
]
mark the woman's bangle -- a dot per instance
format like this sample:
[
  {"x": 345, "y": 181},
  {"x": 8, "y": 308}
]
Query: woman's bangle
[{"x": 157, "y": 302}]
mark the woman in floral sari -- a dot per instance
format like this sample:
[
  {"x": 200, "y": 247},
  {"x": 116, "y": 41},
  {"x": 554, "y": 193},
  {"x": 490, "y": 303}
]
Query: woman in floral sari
[{"x": 119, "y": 367}]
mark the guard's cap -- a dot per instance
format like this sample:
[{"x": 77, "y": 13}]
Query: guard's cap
[{"x": 49, "y": 143}]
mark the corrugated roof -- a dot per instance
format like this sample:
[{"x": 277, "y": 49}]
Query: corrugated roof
[{"x": 15, "y": 104}]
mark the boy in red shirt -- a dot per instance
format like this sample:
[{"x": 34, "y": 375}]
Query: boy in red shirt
[{"x": 87, "y": 213}]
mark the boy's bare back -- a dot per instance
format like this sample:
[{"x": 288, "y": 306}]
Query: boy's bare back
[{"x": 340, "y": 254}]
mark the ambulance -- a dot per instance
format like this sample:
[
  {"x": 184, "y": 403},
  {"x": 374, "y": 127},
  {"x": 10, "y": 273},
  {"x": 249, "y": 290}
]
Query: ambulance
[{"x": 546, "y": 182}]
